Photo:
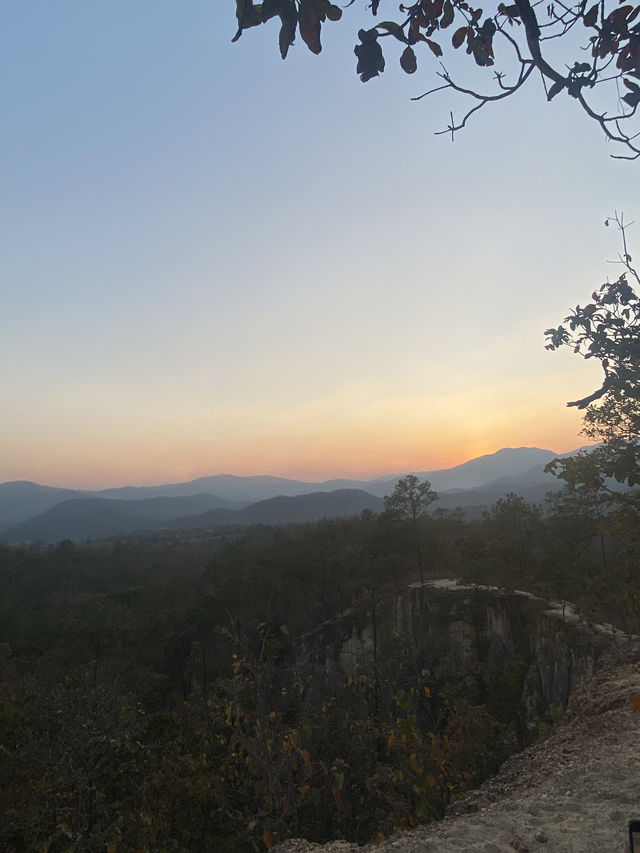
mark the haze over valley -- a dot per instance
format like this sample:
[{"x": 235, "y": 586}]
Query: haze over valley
[
  {"x": 287, "y": 347},
  {"x": 30, "y": 512}
]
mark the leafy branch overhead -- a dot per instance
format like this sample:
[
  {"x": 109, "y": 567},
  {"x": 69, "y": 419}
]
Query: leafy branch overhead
[
  {"x": 305, "y": 15},
  {"x": 598, "y": 64}
]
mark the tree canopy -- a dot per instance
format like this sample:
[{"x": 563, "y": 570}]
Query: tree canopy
[
  {"x": 410, "y": 501},
  {"x": 607, "y": 329},
  {"x": 410, "y": 498},
  {"x": 587, "y": 51}
]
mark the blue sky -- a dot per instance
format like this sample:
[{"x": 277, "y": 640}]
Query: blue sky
[{"x": 216, "y": 261}]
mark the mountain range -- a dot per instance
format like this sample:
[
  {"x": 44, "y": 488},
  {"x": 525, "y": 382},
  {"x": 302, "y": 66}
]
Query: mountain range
[{"x": 31, "y": 512}]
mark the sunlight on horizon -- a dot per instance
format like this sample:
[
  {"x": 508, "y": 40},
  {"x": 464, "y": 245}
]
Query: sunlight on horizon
[{"x": 234, "y": 264}]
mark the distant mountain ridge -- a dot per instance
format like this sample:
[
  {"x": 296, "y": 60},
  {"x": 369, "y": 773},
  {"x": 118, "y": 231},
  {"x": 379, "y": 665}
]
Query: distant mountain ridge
[
  {"x": 339, "y": 503},
  {"x": 30, "y": 512},
  {"x": 23, "y": 499},
  {"x": 506, "y": 463},
  {"x": 468, "y": 475},
  {"x": 99, "y": 518}
]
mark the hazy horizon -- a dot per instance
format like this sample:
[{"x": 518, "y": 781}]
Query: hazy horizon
[
  {"x": 318, "y": 478},
  {"x": 315, "y": 474},
  {"x": 214, "y": 260}
]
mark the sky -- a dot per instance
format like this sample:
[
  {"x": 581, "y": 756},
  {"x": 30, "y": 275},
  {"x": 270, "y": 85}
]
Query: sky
[{"x": 214, "y": 261}]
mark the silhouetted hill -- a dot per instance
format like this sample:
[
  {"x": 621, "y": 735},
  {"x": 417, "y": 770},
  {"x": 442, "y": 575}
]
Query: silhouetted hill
[
  {"x": 510, "y": 469},
  {"x": 476, "y": 501},
  {"x": 99, "y": 518},
  {"x": 283, "y": 509},
  {"x": 476, "y": 472},
  {"x": 22, "y": 499},
  {"x": 88, "y": 518},
  {"x": 231, "y": 487},
  {"x": 95, "y": 518},
  {"x": 516, "y": 464}
]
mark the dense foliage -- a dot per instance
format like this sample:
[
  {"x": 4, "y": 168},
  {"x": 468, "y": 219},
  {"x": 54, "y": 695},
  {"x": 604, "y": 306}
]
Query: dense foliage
[
  {"x": 154, "y": 695},
  {"x": 606, "y": 477}
]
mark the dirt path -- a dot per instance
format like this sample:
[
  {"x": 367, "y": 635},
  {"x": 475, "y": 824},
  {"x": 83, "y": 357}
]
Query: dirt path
[{"x": 573, "y": 793}]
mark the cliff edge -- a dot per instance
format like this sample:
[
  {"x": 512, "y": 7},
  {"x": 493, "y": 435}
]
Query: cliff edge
[{"x": 573, "y": 793}]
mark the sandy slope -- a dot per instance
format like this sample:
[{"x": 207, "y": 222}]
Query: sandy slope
[{"x": 572, "y": 794}]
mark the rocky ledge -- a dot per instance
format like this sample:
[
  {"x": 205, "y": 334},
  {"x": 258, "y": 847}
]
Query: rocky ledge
[{"x": 573, "y": 793}]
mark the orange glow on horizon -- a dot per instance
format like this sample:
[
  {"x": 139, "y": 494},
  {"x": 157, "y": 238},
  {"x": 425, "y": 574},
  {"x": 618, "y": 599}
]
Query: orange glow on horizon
[
  {"x": 355, "y": 457},
  {"x": 316, "y": 441}
]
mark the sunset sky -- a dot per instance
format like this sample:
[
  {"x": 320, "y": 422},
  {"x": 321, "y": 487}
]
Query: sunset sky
[{"x": 216, "y": 261}]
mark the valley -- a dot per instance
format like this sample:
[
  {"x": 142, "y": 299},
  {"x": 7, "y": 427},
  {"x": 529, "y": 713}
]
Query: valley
[
  {"x": 236, "y": 686},
  {"x": 30, "y": 512}
]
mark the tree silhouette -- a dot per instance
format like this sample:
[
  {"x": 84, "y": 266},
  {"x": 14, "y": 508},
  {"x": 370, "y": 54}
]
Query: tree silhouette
[
  {"x": 607, "y": 329},
  {"x": 410, "y": 501},
  {"x": 588, "y": 52}
]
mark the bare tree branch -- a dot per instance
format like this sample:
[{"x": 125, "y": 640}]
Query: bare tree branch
[{"x": 612, "y": 42}]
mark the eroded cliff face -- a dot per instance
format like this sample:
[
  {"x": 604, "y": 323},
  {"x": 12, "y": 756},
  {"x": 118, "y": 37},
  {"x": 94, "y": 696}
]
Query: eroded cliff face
[
  {"x": 509, "y": 649},
  {"x": 573, "y": 792}
]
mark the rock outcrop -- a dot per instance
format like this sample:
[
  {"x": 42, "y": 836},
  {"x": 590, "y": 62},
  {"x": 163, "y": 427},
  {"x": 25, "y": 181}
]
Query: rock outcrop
[
  {"x": 512, "y": 644},
  {"x": 573, "y": 793}
]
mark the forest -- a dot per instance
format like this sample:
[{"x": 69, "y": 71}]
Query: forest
[
  {"x": 227, "y": 690},
  {"x": 153, "y": 695},
  {"x": 186, "y": 692}
]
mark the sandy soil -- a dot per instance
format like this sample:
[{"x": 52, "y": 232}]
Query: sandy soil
[{"x": 574, "y": 793}]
